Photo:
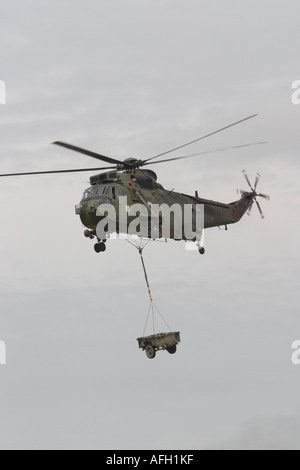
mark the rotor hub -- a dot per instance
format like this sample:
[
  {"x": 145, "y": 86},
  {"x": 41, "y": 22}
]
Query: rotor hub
[{"x": 130, "y": 164}]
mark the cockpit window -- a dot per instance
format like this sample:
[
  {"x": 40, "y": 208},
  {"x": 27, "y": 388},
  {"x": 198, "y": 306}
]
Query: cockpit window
[
  {"x": 111, "y": 192},
  {"x": 108, "y": 192},
  {"x": 93, "y": 192},
  {"x": 90, "y": 192}
]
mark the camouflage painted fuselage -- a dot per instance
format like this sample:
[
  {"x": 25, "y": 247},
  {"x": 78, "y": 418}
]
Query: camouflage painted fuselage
[{"x": 141, "y": 187}]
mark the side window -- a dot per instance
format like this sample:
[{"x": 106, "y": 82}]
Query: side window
[{"x": 116, "y": 193}]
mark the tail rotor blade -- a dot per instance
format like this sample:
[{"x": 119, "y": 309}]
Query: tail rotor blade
[
  {"x": 241, "y": 191},
  {"x": 250, "y": 207},
  {"x": 247, "y": 179},
  {"x": 259, "y": 208},
  {"x": 254, "y": 194},
  {"x": 256, "y": 181},
  {"x": 265, "y": 196}
]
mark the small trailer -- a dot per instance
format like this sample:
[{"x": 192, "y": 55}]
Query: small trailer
[{"x": 159, "y": 342}]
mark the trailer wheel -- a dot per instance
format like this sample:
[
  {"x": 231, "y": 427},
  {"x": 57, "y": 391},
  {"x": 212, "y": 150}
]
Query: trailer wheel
[
  {"x": 150, "y": 351},
  {"x": 172, "y": 349}
]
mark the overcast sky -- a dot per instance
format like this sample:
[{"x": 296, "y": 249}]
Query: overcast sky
[{"x": 132, "y": 78}]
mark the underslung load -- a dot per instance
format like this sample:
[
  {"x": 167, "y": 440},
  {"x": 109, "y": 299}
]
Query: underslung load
[{"x": 158, "y": 341}]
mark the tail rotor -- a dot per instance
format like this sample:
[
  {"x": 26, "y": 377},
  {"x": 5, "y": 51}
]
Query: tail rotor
[{"x": 253, "y": 194}]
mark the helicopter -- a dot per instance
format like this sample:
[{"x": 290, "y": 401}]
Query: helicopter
[{"x": 128, "y": 180}]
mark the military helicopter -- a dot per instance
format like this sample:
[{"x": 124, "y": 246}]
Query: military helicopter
[{"x": 128, "y": 179}]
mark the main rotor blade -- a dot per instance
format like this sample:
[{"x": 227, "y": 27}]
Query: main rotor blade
[
  {"x": 89, "y": 153},
  {"x": 201, "y": 138},
  {"x": 203, "y": 153},
  {"x": 77, "y": 170}
]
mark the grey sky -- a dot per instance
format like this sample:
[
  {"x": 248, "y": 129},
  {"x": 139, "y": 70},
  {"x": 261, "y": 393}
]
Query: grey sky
[{"x": 135, "y": 78}]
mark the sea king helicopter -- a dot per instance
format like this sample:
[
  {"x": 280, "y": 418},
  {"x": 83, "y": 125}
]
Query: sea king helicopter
[{"x": 128, "y": 179}]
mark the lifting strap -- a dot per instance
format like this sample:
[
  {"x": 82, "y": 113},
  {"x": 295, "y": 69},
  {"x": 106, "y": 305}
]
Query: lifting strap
[
  {"x": 145, "y": 272},
  {"x": 152, "y": 307}
]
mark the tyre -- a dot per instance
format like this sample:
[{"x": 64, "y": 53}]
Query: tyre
[
  {"x": 172, "y": 349},
  {"x": 102, "y": 247},
  {"x": 150, "y": 351},
  {"x": 97, "y": 248}
]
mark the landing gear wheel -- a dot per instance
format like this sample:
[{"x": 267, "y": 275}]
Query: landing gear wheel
[
  {"x": 201, "y": 251},
  {"x": 150, "y": 351},
  {"x": 100, "y": 247},
  {"x": 172, "y": 349},
  {"x": 97, "y": 247}
]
